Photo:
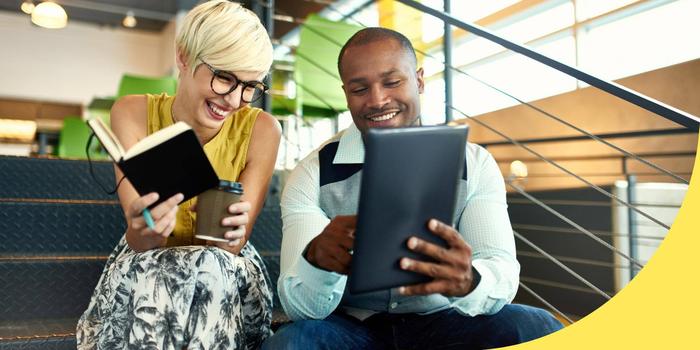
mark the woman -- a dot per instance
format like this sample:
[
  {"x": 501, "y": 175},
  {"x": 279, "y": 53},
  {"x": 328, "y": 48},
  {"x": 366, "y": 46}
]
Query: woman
[{"x": 161, "y": 287}]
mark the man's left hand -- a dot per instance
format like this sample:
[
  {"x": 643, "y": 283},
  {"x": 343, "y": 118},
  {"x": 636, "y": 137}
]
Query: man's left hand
[{"x": 452, "y": 270}]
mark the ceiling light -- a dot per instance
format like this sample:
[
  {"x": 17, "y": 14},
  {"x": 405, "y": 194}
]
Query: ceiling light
[
  {"x": 49, "y": 15},
  {"x": 518, "y": 169},
  {"x": 129, "y": 20},
  {"x": 20, "y": 130},
  {"x": 27, "y": 7}
]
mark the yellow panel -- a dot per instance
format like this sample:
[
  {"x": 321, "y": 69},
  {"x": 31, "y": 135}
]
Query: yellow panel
[{"x": 406, "y": 20}]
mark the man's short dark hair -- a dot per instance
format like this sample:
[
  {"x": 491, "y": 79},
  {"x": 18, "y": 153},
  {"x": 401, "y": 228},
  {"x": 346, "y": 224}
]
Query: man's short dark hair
[{"x": 372, "y": 34}]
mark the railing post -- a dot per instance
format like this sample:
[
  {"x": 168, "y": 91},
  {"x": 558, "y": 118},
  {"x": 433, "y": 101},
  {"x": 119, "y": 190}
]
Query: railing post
[
  {"x": 632, "y": 230},
  {"x": 43, "y": 142},
  {"x": 266, "y": 13},
  {"x": 447, "y": 72},
  {"x": 270, "y": 26}
]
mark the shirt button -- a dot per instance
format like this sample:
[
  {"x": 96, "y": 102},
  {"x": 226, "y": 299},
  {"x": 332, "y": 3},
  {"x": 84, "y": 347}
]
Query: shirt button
[{"x": 394, "y": 305}]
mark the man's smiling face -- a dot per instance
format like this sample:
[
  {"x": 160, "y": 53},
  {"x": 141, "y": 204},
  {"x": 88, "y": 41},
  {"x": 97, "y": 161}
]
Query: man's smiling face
[{"x": 381, "y": 84}]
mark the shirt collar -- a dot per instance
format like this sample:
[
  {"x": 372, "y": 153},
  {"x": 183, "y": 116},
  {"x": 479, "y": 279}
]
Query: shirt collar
[{"x": 351, "y": 149}]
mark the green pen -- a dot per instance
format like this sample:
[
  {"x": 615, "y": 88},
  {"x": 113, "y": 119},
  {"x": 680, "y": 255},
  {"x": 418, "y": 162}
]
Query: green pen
[{"x": 149, "y": 219}]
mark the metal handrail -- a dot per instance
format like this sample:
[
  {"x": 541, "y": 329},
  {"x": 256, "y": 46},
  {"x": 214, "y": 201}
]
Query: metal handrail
[
  {"x": 646, "y": 133},
  {"x": 564, "y": 267},
  {"x": 555, "y": 229},
  {"x": 575, "y": 225},
  {"x": 590, "y": 184},
  {"x": 545, "y": 302}
]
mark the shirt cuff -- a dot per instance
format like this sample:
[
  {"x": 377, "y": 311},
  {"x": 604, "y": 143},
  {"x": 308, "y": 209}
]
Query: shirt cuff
[
  {"x": 318, "y": 279},
  {"x": 477, "y": 302}
]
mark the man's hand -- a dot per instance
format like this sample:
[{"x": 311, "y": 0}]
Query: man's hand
[
  {"x": 452, "y": 270},
  {"x": 331, "y": 249}
]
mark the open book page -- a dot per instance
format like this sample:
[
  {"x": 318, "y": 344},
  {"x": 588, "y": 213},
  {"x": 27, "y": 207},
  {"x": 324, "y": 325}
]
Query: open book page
[
  {"x": 156, "y": 138},
  {"x": 107, "y": 138}
]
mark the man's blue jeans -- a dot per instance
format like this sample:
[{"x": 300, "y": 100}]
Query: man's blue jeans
[{"x": 447, "y": 329}]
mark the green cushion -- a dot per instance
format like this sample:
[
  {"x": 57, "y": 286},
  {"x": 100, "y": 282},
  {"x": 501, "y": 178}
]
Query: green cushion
[
  {"x": 73, "y": 138},
  {"x": 135, "y": 85},
  {"x": 318, "y": 83}
]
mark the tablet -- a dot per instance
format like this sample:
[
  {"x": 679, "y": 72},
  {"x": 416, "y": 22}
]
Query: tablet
[{"x": 409, "y": 176}]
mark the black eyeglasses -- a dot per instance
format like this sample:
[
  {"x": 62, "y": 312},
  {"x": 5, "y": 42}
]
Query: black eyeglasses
[{"x": 223, "y": 83}]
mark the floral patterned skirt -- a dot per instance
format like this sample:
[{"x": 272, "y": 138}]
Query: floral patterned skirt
[{"x": 196, "y": 297}]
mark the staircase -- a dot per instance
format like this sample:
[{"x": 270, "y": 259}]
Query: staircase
[{"x": 58, "y": 228}]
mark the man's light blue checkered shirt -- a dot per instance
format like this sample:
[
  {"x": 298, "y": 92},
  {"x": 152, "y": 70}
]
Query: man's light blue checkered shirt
[{"x": 307, "y": 292}]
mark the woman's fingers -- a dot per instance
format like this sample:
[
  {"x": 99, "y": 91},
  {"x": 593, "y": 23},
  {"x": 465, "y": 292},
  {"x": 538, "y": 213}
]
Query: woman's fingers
[
  {"x": 163, "y": 215},
  {"x": 141, "y": 203},
  {"x": 235, "y": 234},
  {"x": 239, "y": 208},
  {"x": 162, "y": 225},
  {"x": 169, "y": 229},
  {"x": 233, "y": 221},
  {"x": 163, "y": 208}
]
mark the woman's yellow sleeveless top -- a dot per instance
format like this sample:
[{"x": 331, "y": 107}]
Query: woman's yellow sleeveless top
[{"x": 227, "y": 152}]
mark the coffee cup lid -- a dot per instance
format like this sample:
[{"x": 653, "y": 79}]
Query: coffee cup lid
[{"x": 230, "y": 186}]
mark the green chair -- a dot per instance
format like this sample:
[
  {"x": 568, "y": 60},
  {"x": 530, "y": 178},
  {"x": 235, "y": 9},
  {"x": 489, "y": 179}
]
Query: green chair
[
  {"x": 132, "y": 84},
  {"x": 73, "y": 139}
]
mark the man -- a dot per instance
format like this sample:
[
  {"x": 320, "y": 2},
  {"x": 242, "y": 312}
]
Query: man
[{"x": 466, "y": 305}]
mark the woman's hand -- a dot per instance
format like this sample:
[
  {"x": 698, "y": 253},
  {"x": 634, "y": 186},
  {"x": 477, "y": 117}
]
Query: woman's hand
[
  {"x": 143, "y": 237},
  {"x": 236, "y": 227}
]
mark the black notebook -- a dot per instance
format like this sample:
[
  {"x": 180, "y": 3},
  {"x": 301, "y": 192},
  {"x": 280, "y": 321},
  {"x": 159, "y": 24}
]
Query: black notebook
[
  {"x": 409, "y": 176},
  {"x": 168, "y": 162}
]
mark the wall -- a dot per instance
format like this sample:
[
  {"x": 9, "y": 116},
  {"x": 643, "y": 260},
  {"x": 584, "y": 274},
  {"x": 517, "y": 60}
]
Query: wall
[
  {"x": 599, "y": 112},
  {"x": 591, "y": 260},
  {"x": 74, "y": 64},
  {"x": 167, "y": 46},
  {"x": 660, "y": 201}
]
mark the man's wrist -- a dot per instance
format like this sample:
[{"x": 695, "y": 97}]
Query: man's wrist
[
  {"x": 307, "y": 255},
  {"x": 476, "y": 278}
]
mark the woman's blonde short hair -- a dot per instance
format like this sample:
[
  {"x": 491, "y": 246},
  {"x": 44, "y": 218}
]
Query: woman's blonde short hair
[{"x": 227, "y": 36}]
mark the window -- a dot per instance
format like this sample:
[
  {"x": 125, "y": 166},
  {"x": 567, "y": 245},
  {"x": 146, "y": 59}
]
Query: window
[
  {"x": 517, "y": 75},
  {"x": 613, "y": 39},
  {"x": 586, "y": 9},
  {"x": 643, "y": 41},
  {"x": 540, "y": 24},
  {"x": 433, "y": 102}
]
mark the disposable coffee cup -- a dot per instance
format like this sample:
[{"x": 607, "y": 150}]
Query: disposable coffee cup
[{"x": 212, "y": 207}]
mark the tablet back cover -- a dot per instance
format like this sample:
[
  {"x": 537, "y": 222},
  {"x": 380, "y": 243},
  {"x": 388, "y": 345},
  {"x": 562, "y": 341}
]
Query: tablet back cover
[{"x": 410, "y": 175}]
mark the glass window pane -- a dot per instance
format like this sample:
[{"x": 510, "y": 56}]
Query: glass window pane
[
  {"x": 369, "y": 16},
  {"x": 433, "y": 64},
  {"x": 655, "y": 38},
  {"x": 517, "y": 75},
  {"x": 474, "y": 49},
  {"x": 433, "y": 102},
  {"x": 467, "y": 11},
  {"x": 590, "y": 8},
  {"x": 471, "y": 11},
  {"x": 541, "y": 24},
  {"x": 538, "y": 25},
  {"x": 433, "y": 27}
]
